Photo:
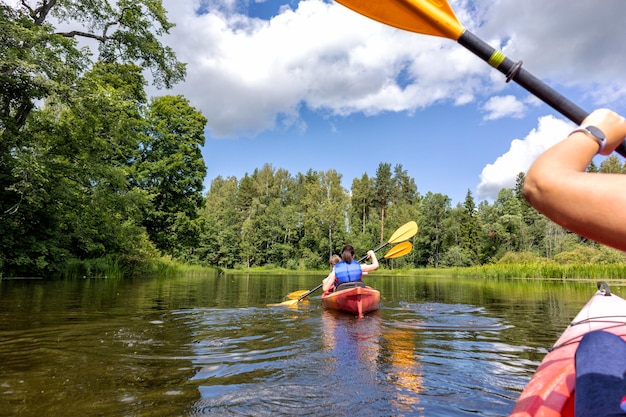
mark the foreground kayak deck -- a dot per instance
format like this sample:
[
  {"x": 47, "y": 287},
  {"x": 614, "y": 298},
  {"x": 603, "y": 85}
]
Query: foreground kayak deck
[
  {"x": 357, "y": 300},
  {"x": 551, "y": 390}
]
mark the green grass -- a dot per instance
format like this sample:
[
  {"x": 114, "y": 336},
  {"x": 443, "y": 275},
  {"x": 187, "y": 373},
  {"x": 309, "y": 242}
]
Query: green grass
[
  {"x": 529, "y": 270},
  {"x": 108, "y": 267},
  {"x": 105, "y": 267},
  {"x": 544, "y": 270}
]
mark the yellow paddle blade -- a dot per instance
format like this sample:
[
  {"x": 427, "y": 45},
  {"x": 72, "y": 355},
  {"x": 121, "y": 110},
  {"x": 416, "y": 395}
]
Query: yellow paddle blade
[
  {"x": 428, "y": 17},
  {"x": 296, "y": 294},
  {"x": 400, "y": 249},
  {"x": 404, "y": 232},
  {"x": 288, "y": 303}
]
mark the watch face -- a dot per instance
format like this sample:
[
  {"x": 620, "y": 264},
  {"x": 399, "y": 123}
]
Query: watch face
[{"x": 596, "y": 132}]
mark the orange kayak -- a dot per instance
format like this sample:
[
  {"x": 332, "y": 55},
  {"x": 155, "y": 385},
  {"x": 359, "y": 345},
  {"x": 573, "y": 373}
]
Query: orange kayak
[
  {"x": 356, "y": 300},
  {"x": 550, "y": 392}
]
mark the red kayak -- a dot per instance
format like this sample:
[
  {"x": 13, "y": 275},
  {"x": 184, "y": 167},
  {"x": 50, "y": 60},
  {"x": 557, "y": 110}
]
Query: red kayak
[
  {"x": 551, "y": 390},
  {"x": 357, "y": 300}
]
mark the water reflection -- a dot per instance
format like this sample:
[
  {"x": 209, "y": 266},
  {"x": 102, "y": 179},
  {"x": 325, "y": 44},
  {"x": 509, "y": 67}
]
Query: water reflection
[
  {"x": 197, "y": 346},
  {"x": 353, "y": 345},
  {"x": 403, "y": 369}
]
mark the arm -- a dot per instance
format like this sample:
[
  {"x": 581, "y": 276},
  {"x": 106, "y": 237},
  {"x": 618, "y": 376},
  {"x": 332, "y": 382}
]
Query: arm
[
  {"x": 592, "y": 205},
  {"x": 370, "y": 267},
  {"x": 329, "y": 281}
]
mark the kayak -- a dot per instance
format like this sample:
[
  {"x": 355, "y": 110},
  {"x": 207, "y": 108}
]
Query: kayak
[
  {"x": 551, "y": 390},
  {"x": 357, "y": 300}
]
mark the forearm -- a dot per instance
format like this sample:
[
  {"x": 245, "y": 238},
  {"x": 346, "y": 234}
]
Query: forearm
[
  {"x": 374, "y": 265},
  {"x": 328, "y": 282},
  {"x": 589, "y": 204},
  {"x": 579, "y": 203}
]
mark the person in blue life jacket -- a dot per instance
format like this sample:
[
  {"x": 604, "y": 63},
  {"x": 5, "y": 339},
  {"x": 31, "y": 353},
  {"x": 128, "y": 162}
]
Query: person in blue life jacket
[
  {"x": 348, "y": 270},
  {"x": 590, "y": 205},
  {"x": 332, "y": 261}
]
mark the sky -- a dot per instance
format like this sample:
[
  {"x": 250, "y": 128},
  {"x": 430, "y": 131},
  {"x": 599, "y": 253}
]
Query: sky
[{"x": 311, "y": 84}]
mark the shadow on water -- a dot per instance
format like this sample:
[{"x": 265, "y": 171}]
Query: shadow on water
[{"x": 211, "y": 346}]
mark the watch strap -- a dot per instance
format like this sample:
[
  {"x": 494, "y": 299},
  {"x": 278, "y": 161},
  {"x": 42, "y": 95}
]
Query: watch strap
[{"x": 594, "y": 133}]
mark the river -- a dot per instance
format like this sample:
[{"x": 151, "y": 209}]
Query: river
[{"x": 198, "y": 346}]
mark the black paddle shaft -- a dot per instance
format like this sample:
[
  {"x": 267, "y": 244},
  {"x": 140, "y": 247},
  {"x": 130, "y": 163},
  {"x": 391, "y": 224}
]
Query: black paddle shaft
[{"x": 514, "y": 71}]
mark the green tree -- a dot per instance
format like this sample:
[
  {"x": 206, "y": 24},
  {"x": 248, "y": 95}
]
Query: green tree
[
  {"x": 63, "y": 168},
  {"x": 264, "y": 227},
  {"x": 220, "y": 235},
  {"x": 288, "y": 222},
  {"x": 170, "y": 168},
  {"x": 432, "y": 232},
  {"x": 470, "y": 228},
  {"x": 510, "y": 222},
  {"x": 361, "y": 202},
  {"x": 490, "y": 246},
  {"x": 455, "y": 256},
  {"x": 533, "y": 239},
  {"x": 126, "y": 31},
  {"x": 325, "y": 205},
  {"x": 74, "y": 175},
  {"x": 34, "y": 64},
  {"x": 38, "y": 61},
  {"x": 383, "y": 193},
  {"x": 405, "y": 189},
  {"x": 612, "y": 165}
]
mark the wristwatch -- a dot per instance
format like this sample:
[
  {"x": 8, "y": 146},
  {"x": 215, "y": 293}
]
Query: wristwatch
[{"x": 594, "y": 133}]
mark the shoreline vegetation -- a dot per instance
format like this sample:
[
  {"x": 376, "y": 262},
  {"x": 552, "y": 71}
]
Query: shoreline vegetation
[
  {"x": 166, "y": 267},
  {"x": 547, "y": 270},
  {"x": 108, "y": 267}
]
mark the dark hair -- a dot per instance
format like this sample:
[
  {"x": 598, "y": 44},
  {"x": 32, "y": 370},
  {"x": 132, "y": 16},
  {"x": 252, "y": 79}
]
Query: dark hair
[{"x": 347, "y": 254}]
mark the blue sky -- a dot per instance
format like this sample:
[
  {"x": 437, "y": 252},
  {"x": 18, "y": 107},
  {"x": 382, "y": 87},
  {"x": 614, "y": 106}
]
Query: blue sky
[{"x": 312, "y": 85}]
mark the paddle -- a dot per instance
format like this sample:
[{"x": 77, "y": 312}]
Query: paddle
[
  {"x": 436, "y": 17},
  {"x": 404, "y": 232},
  {"x": 399, "y": 250}
]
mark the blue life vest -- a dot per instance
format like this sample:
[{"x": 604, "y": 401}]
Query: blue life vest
[{"x": 347, "y": 272}]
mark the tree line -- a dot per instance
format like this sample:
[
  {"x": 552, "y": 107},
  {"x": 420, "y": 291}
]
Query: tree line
[
  {"x": 273, "y": 218},
  {"x": 91, "y": 169}
]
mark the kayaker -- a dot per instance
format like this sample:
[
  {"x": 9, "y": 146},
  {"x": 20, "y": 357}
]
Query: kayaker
[
  {"x": 333, "y": 260},
  {"x": 590, "y": 205},
  {"x": 348, "y": 270}
]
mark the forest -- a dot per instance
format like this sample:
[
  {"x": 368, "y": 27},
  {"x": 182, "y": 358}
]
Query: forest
[{"x": 92, "y": 171}]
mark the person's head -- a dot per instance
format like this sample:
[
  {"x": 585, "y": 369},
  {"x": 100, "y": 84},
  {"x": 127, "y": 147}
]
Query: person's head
[
  {"x": 347, "y": 254},
  {"x": 334, "y": 260}
]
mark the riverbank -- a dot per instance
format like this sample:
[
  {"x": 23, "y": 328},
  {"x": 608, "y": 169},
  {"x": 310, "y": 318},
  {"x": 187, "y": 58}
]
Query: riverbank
[
  {"x": 111, "y": 267},
  {"x": 164, "y": 267},
  {"x": 531, "y": 270}
]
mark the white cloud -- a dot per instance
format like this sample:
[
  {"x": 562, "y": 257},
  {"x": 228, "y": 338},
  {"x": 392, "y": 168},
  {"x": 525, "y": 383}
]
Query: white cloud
[
  {"x": 246, "y": 73},
  {"x": 557, "y": 40},
  {"x": 499, "y": 107},
  {"x": 522, "y": 152}
]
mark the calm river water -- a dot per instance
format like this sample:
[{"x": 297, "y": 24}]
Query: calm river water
[{"x": 197, "y": 346}]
